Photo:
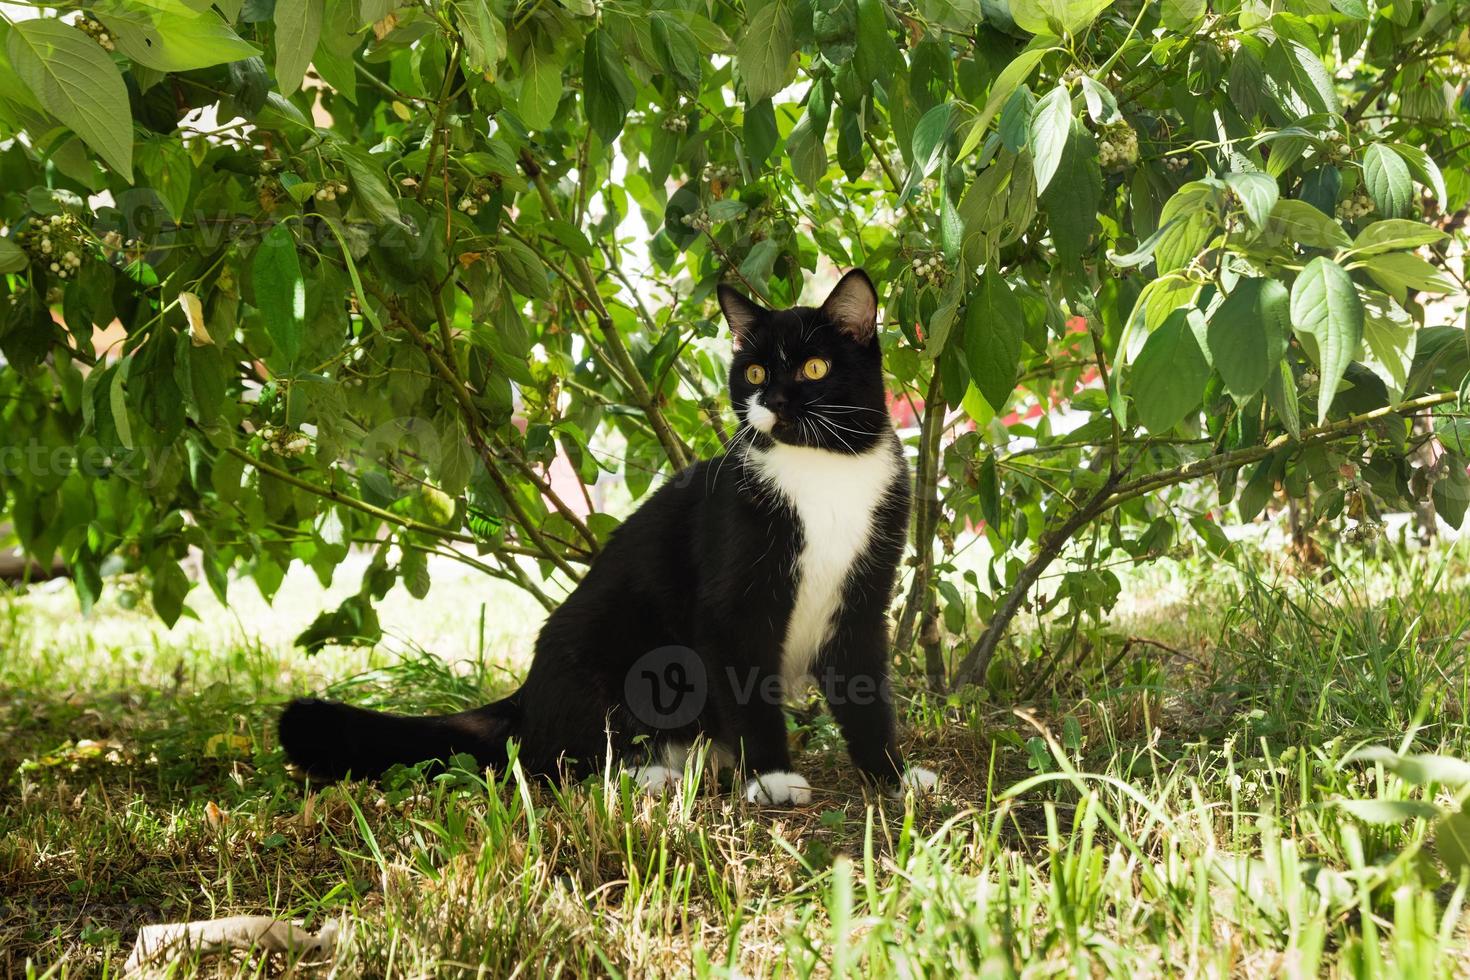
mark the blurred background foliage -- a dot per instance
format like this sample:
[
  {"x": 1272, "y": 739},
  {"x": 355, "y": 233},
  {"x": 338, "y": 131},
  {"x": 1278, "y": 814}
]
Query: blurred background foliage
[{"x": 284, "y": 278}]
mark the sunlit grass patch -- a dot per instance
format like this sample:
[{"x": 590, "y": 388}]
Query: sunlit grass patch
[{"x": 1181, "y": 795}]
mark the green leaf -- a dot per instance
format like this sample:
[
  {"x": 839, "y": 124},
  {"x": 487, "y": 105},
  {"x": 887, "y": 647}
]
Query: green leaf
[
  {"x": 1398, "y": 272},
  {"x": 930, "y": 136},
  {"x": 1168, "y": 376},
  {"x": 1187, "y": 221},
  {"x": 1183, "y": 15},
  {"x": 1051, "y": 125},
  {"x": 1326, "y": 309},
  {"x": 1102, "y": 105},
  {"x": 1452, "y": 841},
  {"x": 75, "y": 81},
  {"x": 12, "y": 257},
  {"x": 759, "y": 130},
  {"x": 1424, "y": 169},
  {"x": 1295, "y": 66},
  {"x": 1422, "y": 769},
  {"x": 298, "y": 26},
  {"x": 876, "y": 57},
  {"x": 483, "y": 34},
  {"x": 1056, "y": 16},
  {"x": 760, "y": 260},
  {"x": 1005, "y": 85},
  {"x": 541, "y": 87},
  {"x": 370, "y": 184},
  {"x": 1451, "y": 493},
  {"x": 993, "y": 326},
  {"x": 1389, "y": 339},
  {"x": 1257, "y": 193},
  {"x": 522, "y": 269},
  {"x": 765, "y": 50},
  {"x": 1386, "y": 176},
  {"x": 607, "y": 91},
  {"x": 1392, "y": 234},
  {"x": 1387, "y": 813},
  {"x": 807, "y": 151},
  {"x": 1282, "y": 396},
  {"x": 353, "y": 623},
  {"x": 677, "y": 50},
  {"x": 174, "y": 42},
  {"x": 169, "y": 171},
  {"x": 1247, "y": 335},
  {"x": 170, "y": 585},
  {"x": 1071, "y": 202},
  {"x": 1301, "y": 224},
  {"x": 413, "y": 570},
  {"x": 280, "y": 294},
  {"x": 117, "y": 403},
  {"x": 1356, "y": 9}
]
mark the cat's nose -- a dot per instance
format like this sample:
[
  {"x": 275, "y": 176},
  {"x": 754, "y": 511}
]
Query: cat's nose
[{"x": 776, "y": 402}]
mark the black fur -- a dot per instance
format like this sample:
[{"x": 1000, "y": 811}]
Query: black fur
[{"x": 706, "y": 566}]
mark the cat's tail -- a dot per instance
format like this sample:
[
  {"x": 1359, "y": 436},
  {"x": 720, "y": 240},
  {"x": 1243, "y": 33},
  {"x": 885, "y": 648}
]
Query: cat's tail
[{"x": 331, "y": 740}]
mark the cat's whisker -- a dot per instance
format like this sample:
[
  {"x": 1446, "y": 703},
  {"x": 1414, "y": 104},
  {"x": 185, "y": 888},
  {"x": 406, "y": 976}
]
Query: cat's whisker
[
  {"x": 747, "y": 432},
  {"x": 844, "y": 428},
  {"x": 848, "y": 408},
  {"x": 847, "y": 445}
]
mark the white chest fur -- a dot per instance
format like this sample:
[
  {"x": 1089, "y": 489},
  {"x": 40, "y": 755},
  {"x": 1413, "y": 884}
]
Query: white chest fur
[{"x": 835, "y": 496}]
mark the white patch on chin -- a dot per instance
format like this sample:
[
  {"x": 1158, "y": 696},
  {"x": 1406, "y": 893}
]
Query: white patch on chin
[
  {"x": 835, "y": 496},
  {"x": 761, "y": 419},
  {"x": 657, "y": 780},
  {"x": 921, "y": 781},
  {"x": 779, "y": 789}
]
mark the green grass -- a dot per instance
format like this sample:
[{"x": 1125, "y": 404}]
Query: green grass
[{"x": 1170, "y": 802}]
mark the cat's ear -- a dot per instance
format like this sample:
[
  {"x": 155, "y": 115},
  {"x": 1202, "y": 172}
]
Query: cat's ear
[
  {"x": 740, "y": 313},
  {"x": 852, "y": 306}
]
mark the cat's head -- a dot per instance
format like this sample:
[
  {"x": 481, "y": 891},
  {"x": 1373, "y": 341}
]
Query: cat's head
[{"x": 810, "y": 376}]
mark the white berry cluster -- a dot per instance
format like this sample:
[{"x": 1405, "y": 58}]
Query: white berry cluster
[
  {"x": 1357, "y": 205},
  {"x": 97, "y": 31},
  {"x": 1117, "y": 149},
  {"x": 721, "y": 173},
  {"x": 1307, "y": 381},
  {"x": 474, "y": 196},
  {"x": 699, "y": 220},
  {"x": 330, "y": 190},
  {"x": 673, "y": 124},
  {"x": 928, "y": 269},
  {"x": 1176, "y": 163},
  {"x": 284, "y": 441},
  {"x": 67, "y": 264},
  {"x": 1364, "y": 532},
  {"x": 58, "y": 243},
  {"x": 1336, "y": 147}
]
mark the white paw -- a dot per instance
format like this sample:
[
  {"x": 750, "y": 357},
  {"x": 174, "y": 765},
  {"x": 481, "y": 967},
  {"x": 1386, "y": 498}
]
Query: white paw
[
  {"x": 779, "y": 788},
  {"x": 657, "y": 780},
  {"x": 918, "y": 779}
]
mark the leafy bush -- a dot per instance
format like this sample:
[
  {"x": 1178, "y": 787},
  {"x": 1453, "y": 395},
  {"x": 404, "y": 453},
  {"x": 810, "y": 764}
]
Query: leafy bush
[{"x": 376, "y": 265}]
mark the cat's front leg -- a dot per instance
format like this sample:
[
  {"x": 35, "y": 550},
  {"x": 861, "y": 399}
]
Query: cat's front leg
[
  {"x": 762, "y": 745},
  {"x": 752, "y": 725},
  {"x": 854, "y": 679}
]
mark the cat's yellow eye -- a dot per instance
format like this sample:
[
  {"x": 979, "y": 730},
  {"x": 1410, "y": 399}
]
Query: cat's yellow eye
[
  {"x": 816, "y": 368},
  {"x": 755, "y": 374}
]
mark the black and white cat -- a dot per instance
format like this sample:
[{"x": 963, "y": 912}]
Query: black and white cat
[{"x": 733, "y": 583}]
